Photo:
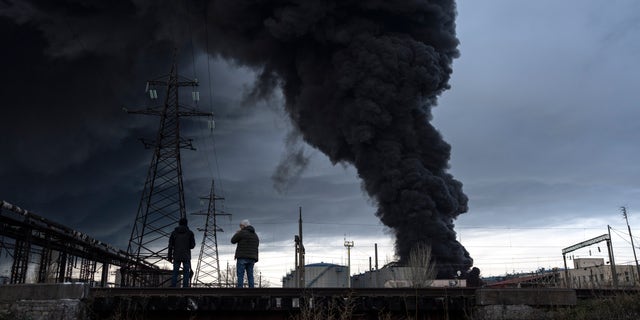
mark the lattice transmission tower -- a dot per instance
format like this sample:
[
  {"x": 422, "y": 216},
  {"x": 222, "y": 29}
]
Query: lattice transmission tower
[
  {"x": 162, "y": 203},
  {"x": 208, "y": 269}
]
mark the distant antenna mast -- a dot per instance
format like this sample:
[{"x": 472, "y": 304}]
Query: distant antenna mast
[
  {"x": 208, "y": 270},
  {"x": 162, "y": 203}
]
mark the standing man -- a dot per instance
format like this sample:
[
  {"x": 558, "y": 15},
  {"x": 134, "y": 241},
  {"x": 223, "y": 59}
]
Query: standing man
[
  {"x": 180, "y": 244},
  {"x": 246, "y": 251}
]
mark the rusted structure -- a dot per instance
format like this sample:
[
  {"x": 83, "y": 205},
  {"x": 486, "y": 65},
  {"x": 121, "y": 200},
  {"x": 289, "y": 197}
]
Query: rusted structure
[{"x": 56, "y": 253}]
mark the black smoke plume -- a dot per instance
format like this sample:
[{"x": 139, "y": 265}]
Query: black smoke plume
[
  {"x": 360, "y": 78},
  {"x": 68, "y": 150}
]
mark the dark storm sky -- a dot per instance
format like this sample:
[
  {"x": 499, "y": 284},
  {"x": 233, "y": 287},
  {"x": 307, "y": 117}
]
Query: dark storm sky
[{"x": 542, "y": 117}]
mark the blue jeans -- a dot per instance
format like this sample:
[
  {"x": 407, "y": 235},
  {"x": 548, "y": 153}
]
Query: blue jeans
[
  {"x": 242, "y": 265},
  {"x": 186, "y": 273}
]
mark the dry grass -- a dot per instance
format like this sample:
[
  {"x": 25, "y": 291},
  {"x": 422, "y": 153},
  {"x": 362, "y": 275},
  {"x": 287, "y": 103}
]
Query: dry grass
[
  {"x": 618, "y": 307},
  {"x": 337, "y": 308}
]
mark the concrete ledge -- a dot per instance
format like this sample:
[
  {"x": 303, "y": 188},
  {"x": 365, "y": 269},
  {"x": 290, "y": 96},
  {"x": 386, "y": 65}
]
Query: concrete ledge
[
  {"x": 519, "y": 312},
  {"x": 44, "y": 310},
  {"x": 16, "y": 292},
  {"x": 524, "y": 296}
]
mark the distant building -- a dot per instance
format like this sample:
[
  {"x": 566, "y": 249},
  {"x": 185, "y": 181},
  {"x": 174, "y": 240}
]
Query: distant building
[
  {"x": 595, "y": 273},
  {"x": 543, "y": 279},
  {"x": 319, "y": 275},
  {"x": 587, "y": 273},
  {"x": 392, "y": 276}
]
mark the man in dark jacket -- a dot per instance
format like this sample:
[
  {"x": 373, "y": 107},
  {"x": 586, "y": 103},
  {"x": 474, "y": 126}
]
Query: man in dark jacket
[
  {"x": 246, "y": 251},
  {"x": 180, "y": 244}
]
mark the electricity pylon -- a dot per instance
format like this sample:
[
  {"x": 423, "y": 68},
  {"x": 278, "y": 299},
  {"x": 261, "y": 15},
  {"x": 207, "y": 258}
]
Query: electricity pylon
[
  {"x": 208, "y": 269},
  {"x": 162, "y": 203}
]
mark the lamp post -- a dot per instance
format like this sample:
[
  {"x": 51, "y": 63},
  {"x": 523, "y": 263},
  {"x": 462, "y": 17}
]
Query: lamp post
[{"x": 349, "y": 245}]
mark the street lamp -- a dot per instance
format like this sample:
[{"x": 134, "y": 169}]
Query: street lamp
[{"x": 349, "y": 245}]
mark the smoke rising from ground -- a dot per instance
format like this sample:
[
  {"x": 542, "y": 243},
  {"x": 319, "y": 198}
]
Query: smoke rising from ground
[{"x": 360, "y": 78}]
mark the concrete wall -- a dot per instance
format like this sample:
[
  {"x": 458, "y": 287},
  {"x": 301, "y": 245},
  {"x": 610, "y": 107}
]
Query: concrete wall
[
  {"x": 75, "y": 301},
  {"x": 44, "y": 301},
  {"x": 521, "y": 304}
]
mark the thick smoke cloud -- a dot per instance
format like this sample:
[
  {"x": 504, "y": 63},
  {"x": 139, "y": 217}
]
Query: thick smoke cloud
[
  {"x": 68, "y": 67},
  {"x": 360, "y": 78}
]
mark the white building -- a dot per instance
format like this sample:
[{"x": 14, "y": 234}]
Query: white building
[
  {"x": 594, "y": 273},
  {"x": 319, "y": 275}
]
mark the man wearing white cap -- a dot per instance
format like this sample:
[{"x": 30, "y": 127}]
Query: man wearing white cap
[{"x": 246, "y": 251}]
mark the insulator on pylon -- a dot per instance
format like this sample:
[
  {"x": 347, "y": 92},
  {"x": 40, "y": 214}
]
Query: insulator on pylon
[
  {"x": 195, "y": 95},
  {"x": 212, "y": 124},
  {"x": 161, "y": 205}
]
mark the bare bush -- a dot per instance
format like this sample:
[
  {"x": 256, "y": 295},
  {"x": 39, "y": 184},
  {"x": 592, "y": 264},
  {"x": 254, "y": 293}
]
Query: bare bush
[{"x": 422, "y": 266}]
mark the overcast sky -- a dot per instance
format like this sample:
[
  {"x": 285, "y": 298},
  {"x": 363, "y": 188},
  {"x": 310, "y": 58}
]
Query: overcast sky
[{"x": 542, "y": 118}]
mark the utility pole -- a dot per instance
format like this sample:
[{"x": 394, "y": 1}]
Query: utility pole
[
  {"x": 299, "y": 254},
  {"x": 208, "y": 269},
  {"x": 614, "y": 273},
  {"x": 162, "y": 203},
  {"x": 349, "y": 245},
  {"x": 624, "y": 214}
]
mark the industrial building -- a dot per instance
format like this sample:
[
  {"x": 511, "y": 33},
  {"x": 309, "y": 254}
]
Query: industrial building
[
  {"x": 392, "y": 276},
  {"x": 328, "y": 275},
  {"x": 595, "y": 273},
  {"x": 319, "y": 275},
  {"x": 587, "y": 273}
]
